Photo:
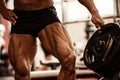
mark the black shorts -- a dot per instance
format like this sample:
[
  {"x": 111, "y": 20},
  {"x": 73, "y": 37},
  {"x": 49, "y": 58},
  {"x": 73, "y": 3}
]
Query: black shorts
[{"x": 32, "y": 22}]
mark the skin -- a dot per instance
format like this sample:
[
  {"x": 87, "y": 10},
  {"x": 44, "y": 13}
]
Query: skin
[{"x": 54, "y": 38}]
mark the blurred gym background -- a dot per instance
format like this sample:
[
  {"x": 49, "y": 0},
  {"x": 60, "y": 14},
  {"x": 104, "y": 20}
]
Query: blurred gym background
[{"x": 76, "y": 19}]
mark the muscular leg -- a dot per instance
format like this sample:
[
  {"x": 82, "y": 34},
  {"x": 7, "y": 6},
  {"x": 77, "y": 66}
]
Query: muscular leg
[
  {"x": 56, "y": 41},
  {"x": 22, "y": 49}
]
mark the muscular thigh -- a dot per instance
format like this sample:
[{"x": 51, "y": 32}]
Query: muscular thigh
[
  {"x": 22, "y": 48},
  {"x": 54, "y": 35}
]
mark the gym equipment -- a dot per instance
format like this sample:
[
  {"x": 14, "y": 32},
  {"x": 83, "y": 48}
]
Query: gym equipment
[
  {"x": 102, "y": 52},
  {"x": 53, "y": 65}
]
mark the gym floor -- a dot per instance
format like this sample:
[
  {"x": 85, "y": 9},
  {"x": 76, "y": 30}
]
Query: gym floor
[
  {"x": 11, "y": 78},
  {"x": 82, "y": 74}
]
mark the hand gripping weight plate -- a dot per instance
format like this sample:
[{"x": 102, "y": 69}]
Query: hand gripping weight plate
[{"x": 102, "y": 52}]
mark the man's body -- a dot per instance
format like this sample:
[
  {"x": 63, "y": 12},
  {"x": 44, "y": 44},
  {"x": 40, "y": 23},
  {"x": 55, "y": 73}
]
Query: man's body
[{"x": 54, "y": 38}]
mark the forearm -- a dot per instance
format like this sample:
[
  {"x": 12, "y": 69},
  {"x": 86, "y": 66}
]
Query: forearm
[
  {"x": 89, "y": 4},
  {"x": 2, "y": 5}
]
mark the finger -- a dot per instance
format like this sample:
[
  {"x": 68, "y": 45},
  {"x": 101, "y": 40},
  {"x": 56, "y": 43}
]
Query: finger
[
  {"x": 13, "y": 20},
  {"x": 98, "y": 26},
  {"x": 15, "y": 16}
]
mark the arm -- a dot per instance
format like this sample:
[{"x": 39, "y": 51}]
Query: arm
[
  {"x": 89, "y": 4},
  {"x": 96, "y": 18},
  {"x": 2, "y": 5},
  {"x": 7, "y": 13}
]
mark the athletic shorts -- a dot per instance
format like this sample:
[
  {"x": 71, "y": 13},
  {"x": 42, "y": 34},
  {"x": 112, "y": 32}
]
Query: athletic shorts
[{"x": 33, "y": 21}]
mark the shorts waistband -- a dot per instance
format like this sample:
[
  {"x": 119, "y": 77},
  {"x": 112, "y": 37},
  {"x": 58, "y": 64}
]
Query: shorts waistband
[{"x": 33, "y": 11}]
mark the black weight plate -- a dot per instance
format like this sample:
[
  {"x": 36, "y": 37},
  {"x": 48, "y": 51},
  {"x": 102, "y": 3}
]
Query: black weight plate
[{"x": 101, "y": 53}]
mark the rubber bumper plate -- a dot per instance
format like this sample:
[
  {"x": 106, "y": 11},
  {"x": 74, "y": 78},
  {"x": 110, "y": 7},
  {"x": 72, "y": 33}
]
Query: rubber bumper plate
[{"x": 102, "y": 52}]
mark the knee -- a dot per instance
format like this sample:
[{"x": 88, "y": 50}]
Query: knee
[
  {"x": 69, "y": 62},
  {"x": 22, "y": 69},
  {"x": 66, "y": 57},
  {"x": 71, "y": 59}
]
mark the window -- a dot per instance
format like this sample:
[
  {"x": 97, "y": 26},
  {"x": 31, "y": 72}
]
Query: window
[{"x": 72, "y": 10}]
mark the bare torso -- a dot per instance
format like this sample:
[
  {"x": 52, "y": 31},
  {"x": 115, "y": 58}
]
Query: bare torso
[{"x": 32, "y": 4}]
